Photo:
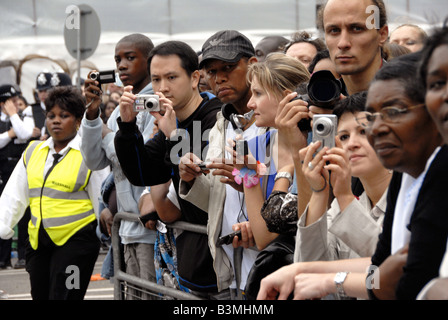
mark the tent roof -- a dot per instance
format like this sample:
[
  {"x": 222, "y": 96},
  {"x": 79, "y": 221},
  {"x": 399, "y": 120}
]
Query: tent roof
[{"x": 36, "y": 26}]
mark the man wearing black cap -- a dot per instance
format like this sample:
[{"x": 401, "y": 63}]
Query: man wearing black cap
[
  {"x": 13, "y": 140},
  {"x": 226, "y": 57}
]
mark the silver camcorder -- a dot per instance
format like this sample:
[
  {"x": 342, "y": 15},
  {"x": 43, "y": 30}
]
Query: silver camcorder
[
  {"x": 147, "y": 102},
  {"x": 324, "y": 130}
]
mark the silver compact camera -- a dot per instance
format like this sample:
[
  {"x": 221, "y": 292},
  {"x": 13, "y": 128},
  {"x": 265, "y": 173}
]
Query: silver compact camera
[
  {"x": 324, "y": 130},
  {"x": 146, "y": 102}
]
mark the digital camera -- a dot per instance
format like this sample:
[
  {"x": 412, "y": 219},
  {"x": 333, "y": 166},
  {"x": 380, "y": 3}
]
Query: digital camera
[
  {"x": 323, "y": 90},
  {"x": 103, "y": 76},
  {"x": 324, "y": 130},
  {"x": 146, "y": 102}
]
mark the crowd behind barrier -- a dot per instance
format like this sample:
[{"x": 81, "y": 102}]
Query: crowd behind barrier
[
  {"x": 123, "y": 280},
  {"x": 300, "y": 168}
]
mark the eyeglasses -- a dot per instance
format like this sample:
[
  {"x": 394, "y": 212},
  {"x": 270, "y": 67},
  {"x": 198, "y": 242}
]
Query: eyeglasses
[{"x": 388, "y": 114}]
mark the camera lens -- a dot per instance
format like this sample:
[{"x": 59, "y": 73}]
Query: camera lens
[
  {"x": 151, "y": 103},
  {"x": 324, "y": 90},
  {"x": 94, "y": 75},
  {"x": 320, "y": 127},
  {"x": 323, "y": 126}
]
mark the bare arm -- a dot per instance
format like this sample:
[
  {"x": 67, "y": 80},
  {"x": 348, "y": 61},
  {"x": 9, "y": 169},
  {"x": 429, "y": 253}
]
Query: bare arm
[
  {"x": 166, "y": 210},
  {"x": 280, "y": 284}
]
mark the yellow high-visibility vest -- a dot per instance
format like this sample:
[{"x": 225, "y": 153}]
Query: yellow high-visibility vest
[{"x": 59, "y": 201}]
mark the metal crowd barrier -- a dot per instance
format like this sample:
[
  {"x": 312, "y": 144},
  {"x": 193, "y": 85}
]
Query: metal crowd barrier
[{"x": 125, "y": 283}]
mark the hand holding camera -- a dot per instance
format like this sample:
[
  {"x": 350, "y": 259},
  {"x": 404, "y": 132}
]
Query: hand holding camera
[
  {"x": 314, "y": 156},
  {"x": 291, "y": 111},
  {"x": 146, "y": 102},
  {"x": 325, "y": 162},
  {"x": 103, "y": 77},
  {"x": 190, "y": 167},
  {"x": 127, "y": 99},
  {"x": 93, "y": 90},
  {"x": 313, "y": 166}
]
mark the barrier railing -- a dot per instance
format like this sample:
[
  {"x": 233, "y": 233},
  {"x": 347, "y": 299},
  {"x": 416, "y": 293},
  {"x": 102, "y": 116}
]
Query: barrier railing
[{"x": 123, "y": 280}]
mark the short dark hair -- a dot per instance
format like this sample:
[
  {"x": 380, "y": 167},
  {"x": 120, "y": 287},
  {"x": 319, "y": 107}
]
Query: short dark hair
[
  {"x": 353, "y": 104},
  {"x": 404, "y": 69},
  {"x": 142, "y": 42},
  {"x": 438, "y": 37},
  {"x": 188, "y": 57},
  {"x": 321, "y": 55},
  {"x": 67, "y": 98}
]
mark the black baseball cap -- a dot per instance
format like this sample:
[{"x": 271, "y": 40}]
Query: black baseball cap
[{"x": 228, "y": 46}]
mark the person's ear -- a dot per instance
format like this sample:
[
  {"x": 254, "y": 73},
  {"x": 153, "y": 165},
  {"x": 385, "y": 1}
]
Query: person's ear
[
  {"x": 78, "y": 123},
  {"x": 384, "y": 34},
  {"x": 286, "y": 92},
  {"x": 252, "y": 60},
  {"x": 195, "y": 77}
]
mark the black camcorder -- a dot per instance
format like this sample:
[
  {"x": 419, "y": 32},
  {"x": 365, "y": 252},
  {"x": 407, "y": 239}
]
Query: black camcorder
[
  {"x": 103, "y": 76},
  {"x": 323, "y": 90}
]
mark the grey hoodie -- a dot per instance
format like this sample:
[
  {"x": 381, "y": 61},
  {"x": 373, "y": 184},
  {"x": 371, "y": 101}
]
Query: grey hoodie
[{"x": 100, "y": 153}]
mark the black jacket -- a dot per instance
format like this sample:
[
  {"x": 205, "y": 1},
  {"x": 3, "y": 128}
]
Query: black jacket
[
  {"x": 156, "y": 162},
  {"x": 428, "y": 227}
]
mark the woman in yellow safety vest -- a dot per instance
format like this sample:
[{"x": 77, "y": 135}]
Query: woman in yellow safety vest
[{"x": 54, "y": 181}]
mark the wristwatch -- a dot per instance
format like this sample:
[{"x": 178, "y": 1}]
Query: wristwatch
[
  {"x": 339, "y": 279},
  {"x": 284, "y": 174}
]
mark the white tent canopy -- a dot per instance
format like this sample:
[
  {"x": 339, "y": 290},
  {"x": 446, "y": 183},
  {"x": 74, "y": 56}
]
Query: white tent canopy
[{"x": 36, "y": 26}]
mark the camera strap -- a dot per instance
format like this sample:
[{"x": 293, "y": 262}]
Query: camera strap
[{"x": 265, "y": 178}]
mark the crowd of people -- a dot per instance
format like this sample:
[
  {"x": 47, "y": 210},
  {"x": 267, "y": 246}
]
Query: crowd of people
[{"x": 235, "y": 146}]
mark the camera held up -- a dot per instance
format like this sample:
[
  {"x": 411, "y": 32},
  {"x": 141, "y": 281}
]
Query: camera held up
[
  {"x": 324, "y": 129},
  {"x": 323, "y": 90},
  {"x": 103, "y": 76},
  {"x": 146, "y": 102}
]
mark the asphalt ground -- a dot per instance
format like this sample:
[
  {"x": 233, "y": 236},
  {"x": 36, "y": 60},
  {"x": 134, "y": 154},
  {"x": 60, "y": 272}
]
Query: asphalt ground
[{"x": 15, "y": 284}]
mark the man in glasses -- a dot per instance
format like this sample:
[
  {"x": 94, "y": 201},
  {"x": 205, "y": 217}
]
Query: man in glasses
[{"x": 226, "y": 57}]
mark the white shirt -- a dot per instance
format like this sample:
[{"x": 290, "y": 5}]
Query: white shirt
[
  {"x": 15, "y": 198},
  {"x": 235, "y": 211},
  {"x": 409, "y": 190},
  {"x": 22, "y": 128}
]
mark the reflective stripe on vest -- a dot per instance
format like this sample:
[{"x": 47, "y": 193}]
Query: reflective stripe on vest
[{"x": 60, "y": 203}]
